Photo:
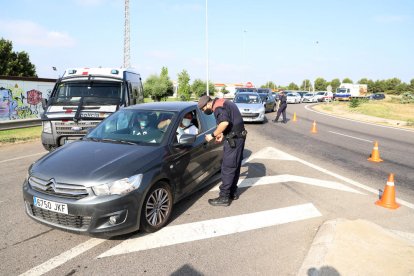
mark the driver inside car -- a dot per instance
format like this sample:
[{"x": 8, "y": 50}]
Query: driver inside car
[
  {"x": 142, "y": 125},
  {"x": 186, "y": 126}
]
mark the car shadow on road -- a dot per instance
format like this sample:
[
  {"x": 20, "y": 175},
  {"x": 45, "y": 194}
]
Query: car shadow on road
[{"x": 254, "y": 170}]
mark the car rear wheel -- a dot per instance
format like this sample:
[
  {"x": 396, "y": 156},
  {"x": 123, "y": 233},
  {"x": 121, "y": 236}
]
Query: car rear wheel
[{"x": 157, "y": 208}]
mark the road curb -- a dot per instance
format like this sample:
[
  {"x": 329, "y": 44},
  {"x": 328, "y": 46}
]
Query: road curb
[{"x": 320, "y": 247}]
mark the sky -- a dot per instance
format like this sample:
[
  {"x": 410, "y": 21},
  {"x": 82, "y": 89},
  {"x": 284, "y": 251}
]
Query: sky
[{"x": 256, "y": 41}]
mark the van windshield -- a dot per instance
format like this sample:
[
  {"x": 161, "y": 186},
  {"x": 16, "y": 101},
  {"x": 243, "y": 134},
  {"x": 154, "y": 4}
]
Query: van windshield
[{"x": 91, "y": 91}]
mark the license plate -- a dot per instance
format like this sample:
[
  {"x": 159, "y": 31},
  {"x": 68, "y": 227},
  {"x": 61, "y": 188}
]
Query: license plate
[{"x": 50, "y": 205}]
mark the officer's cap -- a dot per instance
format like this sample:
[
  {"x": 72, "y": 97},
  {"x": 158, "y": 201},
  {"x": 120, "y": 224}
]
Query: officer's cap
[{"x": 203, "y": 101}]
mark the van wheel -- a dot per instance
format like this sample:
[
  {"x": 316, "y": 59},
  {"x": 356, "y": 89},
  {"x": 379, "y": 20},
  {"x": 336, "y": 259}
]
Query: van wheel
[{"x": 157, "y": 208}]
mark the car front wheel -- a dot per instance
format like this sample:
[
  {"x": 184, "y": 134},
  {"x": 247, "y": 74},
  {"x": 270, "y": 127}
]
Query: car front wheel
[{"x": 157, "y": 208}]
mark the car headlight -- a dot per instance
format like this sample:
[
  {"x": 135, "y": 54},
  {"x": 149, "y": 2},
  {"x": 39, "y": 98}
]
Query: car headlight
[
  {"x": 47, "y": 127},
  {"x": 119, "y": 187}
]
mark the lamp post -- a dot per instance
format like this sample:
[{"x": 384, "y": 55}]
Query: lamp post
[
  {"x": 207, "y": 88},
  {"x": 244, "y": 55}
]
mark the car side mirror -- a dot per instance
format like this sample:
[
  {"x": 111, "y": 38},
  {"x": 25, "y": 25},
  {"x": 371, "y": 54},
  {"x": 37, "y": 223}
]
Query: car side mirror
[{"x": 44, "y": 103}]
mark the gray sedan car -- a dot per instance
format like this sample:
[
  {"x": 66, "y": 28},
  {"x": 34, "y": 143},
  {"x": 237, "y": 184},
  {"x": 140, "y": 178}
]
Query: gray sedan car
[
  {"x": 126, "y": 174},
  {"x": 250, "y": 106}
]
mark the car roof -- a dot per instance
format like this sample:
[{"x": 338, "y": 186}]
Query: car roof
[{"x": 168, "y": 106}]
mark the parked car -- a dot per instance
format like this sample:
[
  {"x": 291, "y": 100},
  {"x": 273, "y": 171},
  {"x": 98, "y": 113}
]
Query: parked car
[
  {"x": 376, "y": 96},
  {"x": 126, "y": 174},
  {"x": 251, "y": 106},
  {"x": 301, "y": 93},
  {"x": 310, "y": 98},
  {"x": 293, "y": 97},
  {"x": 269, "y": 101},
  {"x": 324, "y": 96}
]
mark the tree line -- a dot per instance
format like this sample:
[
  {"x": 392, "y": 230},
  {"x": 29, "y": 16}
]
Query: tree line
[{"x": 389, "y": 86}]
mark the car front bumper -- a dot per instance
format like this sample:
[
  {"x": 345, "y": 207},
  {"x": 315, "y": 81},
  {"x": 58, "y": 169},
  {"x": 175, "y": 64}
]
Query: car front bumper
[
  {"x": 97, "y": 216},
  {"x": 253, "y": 117}
]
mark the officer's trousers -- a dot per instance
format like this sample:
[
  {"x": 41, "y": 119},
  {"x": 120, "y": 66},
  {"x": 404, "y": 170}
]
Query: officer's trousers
[
  {"x": 282, "y": 109},
  {"x": 230, "y": 168}
]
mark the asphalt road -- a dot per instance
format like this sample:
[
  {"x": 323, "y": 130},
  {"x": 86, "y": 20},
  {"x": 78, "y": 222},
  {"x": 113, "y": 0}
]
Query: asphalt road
[{"x": 292, "y": 182}]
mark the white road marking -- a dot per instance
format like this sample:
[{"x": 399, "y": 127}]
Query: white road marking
[
  {"x": 353, "y": 137},
  {"x": 356, "y": 121},
  {"x": 283, "y": 178},
  {"x": 22, "y": 157},
  {"x": 270, "y": 153},
  {"x": 214, "y": 228},
  {"x": 345, "y": 179},
  {"x": 63, "y": 258}
]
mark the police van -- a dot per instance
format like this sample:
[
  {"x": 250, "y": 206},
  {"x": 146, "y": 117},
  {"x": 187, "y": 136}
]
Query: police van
[{"x": 82, "y": 98}]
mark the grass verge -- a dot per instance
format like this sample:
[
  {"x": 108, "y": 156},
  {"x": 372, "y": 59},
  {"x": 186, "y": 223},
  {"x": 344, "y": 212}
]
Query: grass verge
[{"x": 20, "y": 135}]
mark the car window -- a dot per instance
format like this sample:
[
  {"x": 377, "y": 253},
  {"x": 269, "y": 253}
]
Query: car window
[
  {"x": 210, "y": 121},
  {"x": 188, "y": 124},
  {"x": 131, "y": 125}
]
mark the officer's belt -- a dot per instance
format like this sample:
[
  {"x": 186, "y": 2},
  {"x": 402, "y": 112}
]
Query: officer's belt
[{"x": 237, "y": 134}]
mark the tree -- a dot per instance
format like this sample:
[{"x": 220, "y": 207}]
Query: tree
[
  {"x": 164, "y": 77},
  {"x": 269, "y": 84},
  {"x": 14, "y": 63},
  {"x": 293, "y": 86},
  {"x": 320, "y": 84},
  {"x": 224, "y": 90},
  {"x": 184, "y": 89},
  {"x": 158, "y": 87},
  {"x": 347, "y": 80},
  {"x": 199, "y": 88},
  {"x": 391, "y": 85},
  {"x": 411, "y": 85},
  {"x": 335, "y": 83},
  {"x": 306, "y": 85}
]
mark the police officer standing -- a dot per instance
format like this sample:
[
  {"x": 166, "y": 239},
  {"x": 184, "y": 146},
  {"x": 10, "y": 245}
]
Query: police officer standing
[
  {"x": 230, "y": 130},
  {"x": 282, "y": 108}
]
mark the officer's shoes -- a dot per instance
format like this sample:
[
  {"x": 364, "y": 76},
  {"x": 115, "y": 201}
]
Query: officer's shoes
[
  {"x": 220, "y": 201},
  {"x": 274, "y": 121},
  {"x": 234, "y": 197}
]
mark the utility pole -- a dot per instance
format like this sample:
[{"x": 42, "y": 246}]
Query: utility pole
[
  {"x": 207, "y": 73},
  {"x": 127, "y": 62}
]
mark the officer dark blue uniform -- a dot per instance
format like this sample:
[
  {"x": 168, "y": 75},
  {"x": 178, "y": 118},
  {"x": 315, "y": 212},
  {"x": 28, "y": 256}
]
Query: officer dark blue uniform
[
  {"x": 282, "y": 108},
  {"x": 230, "y": 129}
]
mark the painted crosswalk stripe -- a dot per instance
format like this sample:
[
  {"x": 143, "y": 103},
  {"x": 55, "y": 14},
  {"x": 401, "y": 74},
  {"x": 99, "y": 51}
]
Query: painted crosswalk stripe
[
  {"x": 63, "y": 258},
  {"x": 283, "y": 178},
  {"x": 214, "y": 228}
]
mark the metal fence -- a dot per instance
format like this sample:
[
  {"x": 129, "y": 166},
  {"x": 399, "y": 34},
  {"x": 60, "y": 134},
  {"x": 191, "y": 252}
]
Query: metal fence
[{"x": 13, "y": 124}]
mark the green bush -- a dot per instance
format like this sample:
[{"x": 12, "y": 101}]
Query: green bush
[
  {"x": 407, "y": 98},
  {"x": 355, "y": 102}
]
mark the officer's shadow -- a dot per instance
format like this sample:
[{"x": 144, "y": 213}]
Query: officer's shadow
[{"x": 251, "y": 172}]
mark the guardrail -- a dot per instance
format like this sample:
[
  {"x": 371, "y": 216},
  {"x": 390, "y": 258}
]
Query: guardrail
[{"x": 13, "y": 124}]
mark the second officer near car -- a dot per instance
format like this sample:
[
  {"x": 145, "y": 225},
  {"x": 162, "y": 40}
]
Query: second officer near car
[{"x": 230, "y": 129}]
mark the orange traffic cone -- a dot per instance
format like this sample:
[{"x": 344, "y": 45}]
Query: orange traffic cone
[
  {"x": 294, "y": 117},
  {"x": 375, "y": 156},
  {"x": 314, "y": 130},
  {"x": 388, "y": 197}
]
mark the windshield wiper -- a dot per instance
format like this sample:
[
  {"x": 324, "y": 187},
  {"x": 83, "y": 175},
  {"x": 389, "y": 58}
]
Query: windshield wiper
[
  {"x": 91, "y": 139},
  {"x": 118, "y": 141}
]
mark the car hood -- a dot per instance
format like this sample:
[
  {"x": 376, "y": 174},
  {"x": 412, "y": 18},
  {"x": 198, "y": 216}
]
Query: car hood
[
  {"x": 243, "y": 106},
  {"x": 89, "y": 163}
]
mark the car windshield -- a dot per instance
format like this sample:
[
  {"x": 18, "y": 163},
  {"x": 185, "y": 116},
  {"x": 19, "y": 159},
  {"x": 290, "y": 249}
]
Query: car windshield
[
  {"x": 93, "y": 91},
  {"x": 132, "y": 126},
  {"x": 320, "y": 93},
  {"x": 247, "y": 98},
  {"x": 309, "y": 94},
  {"x": 291, "y": 95}
]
